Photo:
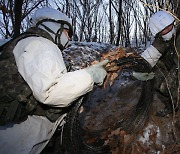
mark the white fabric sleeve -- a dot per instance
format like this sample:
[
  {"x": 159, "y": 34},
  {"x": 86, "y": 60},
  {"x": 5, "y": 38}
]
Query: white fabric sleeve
[
  {"x": 151, "y": 55},
  {"x": 41, "y": 65}
]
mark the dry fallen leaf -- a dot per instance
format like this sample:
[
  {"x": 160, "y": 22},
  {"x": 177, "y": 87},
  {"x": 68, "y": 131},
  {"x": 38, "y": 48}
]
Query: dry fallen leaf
[
  {"x": 112, "y": 78},
  {"x": 112, "y": 68}
]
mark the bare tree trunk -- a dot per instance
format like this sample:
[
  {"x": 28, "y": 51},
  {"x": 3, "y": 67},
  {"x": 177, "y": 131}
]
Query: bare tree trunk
[
  {"x": 178, "y": 10},
  {"x": 110, "y": 23},
  {"x": 119, "y": 22},
  {"x": 13, "y": 13},
  {"x": 18, "y": 16},
  {"x": 95, "y": 26},
  {"x": 88, "y": 21},
  {"x": 176, "y": 5},
  {"x": 67, "y": 8},
  {"x": 135, "y": 35}
]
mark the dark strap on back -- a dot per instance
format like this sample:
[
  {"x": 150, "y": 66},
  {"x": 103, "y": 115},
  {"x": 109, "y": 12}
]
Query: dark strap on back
[{"x": 16, "y": 98}]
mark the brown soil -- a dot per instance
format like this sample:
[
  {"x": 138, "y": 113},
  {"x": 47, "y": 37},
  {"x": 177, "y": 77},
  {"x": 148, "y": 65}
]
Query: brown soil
[{"x": 105, "y": 107}]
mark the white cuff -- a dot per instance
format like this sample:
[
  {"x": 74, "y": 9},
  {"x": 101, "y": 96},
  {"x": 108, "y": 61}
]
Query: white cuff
[{"x": 151, "y": 55}]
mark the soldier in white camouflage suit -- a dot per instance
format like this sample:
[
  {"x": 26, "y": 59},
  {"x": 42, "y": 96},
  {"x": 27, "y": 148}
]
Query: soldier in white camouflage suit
[
  {"x": 162, "y": 56},
  {"x": 36, "y": 89}
]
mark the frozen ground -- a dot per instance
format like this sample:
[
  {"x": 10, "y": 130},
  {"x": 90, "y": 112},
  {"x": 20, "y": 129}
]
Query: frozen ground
[{"x": 107, "y": 106}]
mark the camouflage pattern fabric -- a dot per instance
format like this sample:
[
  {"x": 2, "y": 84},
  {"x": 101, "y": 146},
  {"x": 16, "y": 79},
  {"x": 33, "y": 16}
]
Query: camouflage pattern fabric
[
  {"x": 166, "y": 70},
  {"x": 14, "y": 91},
  {"x": 16, "y": 98}
]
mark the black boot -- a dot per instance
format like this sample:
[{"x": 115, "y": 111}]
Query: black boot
[
  {"x": 164, "y": 112},
  {"x": 167, "y": 110}
]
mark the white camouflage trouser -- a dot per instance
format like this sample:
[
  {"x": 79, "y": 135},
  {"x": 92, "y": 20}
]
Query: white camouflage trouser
[{"x": 30, "y": 136}]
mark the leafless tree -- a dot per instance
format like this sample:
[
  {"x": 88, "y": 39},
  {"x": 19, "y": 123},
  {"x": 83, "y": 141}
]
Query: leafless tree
[
  {"x": 13, "y": 12},
  {"x": 120, "y": 22},
  {"x": 111, "y": 25}
]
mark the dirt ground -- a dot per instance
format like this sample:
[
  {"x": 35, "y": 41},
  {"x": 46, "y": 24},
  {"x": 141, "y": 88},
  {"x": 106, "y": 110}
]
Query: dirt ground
[
  {"x": 108, "y": 106},
  {"x": 159, "y": 135}
]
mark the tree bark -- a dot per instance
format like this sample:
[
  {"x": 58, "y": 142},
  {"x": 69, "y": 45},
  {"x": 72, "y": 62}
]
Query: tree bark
[
  {"x": 119, "y": 21},
  {"x": 18, "y": 16},
  {"x": 110, "y": 23}
]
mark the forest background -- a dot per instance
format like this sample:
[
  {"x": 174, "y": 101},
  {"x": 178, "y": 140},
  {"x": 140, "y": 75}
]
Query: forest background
[{"x": 118, "y": 22}]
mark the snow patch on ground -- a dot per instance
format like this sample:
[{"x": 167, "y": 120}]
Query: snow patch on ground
[
  {"x": 145, "y": 138},
  {"x": 100, "y": 47},
  {"x": 82, "y": 54}
]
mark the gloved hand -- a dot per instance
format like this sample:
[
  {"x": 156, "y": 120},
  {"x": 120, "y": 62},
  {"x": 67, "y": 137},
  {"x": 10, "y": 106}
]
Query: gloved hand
[
  {"x": 98, "y": 72},
  {"x": 160, "y": 44},
  {"x": 143, "y": 76}
]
